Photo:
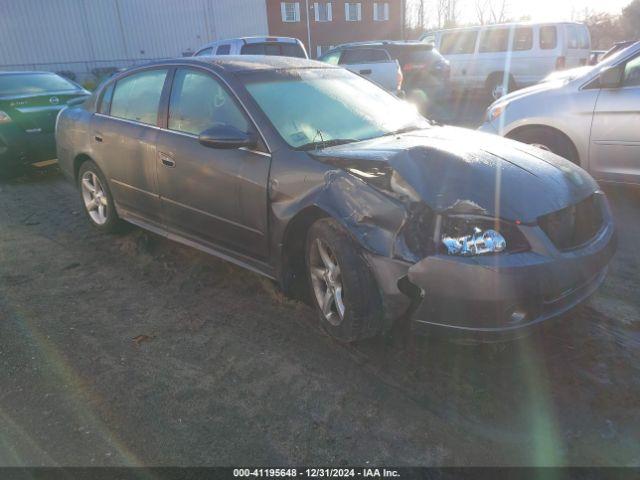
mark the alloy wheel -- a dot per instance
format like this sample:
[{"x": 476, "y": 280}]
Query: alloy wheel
[
  {"x": 95, "y": 198},
  {"x": 326, "y": 278}
]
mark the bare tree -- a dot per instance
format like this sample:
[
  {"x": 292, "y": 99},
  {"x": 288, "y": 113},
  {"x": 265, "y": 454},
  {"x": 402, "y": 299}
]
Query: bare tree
[
  {"x": 491, "y": 11},
  {"x": 447, "y": 13}
]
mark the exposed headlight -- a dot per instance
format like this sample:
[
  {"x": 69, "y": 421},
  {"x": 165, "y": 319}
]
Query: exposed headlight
[
  {"x": 4, "y": 117},
  {"x": 494, "y": 112},
  {"x": 470, "y": 236},
  {"x": 478, "y": 243}
]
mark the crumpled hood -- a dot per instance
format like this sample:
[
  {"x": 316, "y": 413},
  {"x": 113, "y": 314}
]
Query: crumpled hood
[{"x": 455, "y": 170}]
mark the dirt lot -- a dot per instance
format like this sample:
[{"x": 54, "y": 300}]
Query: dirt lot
[{"x": 134, "y": 350}]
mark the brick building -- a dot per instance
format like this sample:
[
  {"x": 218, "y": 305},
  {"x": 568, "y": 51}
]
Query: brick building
[{"x": 322, "y": 25}]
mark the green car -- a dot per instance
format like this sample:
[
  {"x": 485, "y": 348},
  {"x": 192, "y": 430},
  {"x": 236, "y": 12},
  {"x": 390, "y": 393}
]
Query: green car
[{"x": 29, "y": 106}]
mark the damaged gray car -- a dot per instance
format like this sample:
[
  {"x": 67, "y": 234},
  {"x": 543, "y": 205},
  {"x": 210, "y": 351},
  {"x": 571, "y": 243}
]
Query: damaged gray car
[{"x": 319, "y": 179}]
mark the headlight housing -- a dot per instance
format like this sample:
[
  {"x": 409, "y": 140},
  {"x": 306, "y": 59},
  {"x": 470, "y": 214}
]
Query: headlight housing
[
  {"x": 471, "y": 236},
  {"x": 494, "y": 111}
]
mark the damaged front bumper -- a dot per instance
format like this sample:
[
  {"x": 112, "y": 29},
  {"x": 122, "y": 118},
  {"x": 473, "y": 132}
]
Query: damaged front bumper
[{"x": 500, "y": 293}]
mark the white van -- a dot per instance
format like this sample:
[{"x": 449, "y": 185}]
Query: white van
[{"x": 501, "y": 58}]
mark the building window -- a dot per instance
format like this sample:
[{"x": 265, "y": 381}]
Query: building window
[
  {"x": 380, "y": 11},
  {"x": 353, "y": 12},
  {"x": 322, "y": 11},
  {"x": 290, "y": 11},
  {"x": 322, "y": 49}
]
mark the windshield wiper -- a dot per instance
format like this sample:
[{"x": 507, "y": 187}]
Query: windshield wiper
[{"x": 326, "y": 143}]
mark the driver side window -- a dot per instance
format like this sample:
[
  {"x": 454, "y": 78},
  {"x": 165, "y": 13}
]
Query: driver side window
[
  {"x": 632, "y": 73},
  {"x": 198, "y": 102}
]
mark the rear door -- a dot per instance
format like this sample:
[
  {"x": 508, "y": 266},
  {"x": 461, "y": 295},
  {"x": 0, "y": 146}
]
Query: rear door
[
  {"x": 212, "y": 196},
  {"x": 124, "y": 142},
  {"x": 374, "y": 64},
  {"x": 615, "y": 133}
]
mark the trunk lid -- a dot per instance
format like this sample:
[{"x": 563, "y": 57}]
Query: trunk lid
[{"x": 37, "y": 113}]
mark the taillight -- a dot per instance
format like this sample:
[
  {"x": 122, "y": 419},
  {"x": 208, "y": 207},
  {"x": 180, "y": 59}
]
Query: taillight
[
  {"x": 561, "y": 62},
  {"x": 408, "y": 67},
  {"x": 399, "y": 78}
]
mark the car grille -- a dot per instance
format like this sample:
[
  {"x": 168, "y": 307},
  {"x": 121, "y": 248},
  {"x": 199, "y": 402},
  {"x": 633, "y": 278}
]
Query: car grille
[{"x": 575, "y": 225}]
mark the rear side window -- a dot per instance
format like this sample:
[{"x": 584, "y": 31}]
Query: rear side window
[
  {"x": 198, "y": 102},
  {"x": 548, "y": 37},
  {"x": 494, "y": 40},
  {"x": 573, "y": 37},
  {"x": 632, "y": 73},
  {"x": 455, "y": 43},
  {"x": 203, "y": 52},
  {"x": 105, "y": 101},
  {"x": 584, "y": 40},
  {"x": 223, "y": 50},
  {"x": 273, "y": 48},
  {"x": 292, "y": 50},
  {"x": 137, "y": 96},
  {"x": 332, "y": 58},
  {"x": 522, "y": 39},
  {"x": 34, "y": 83},
  {"x": 421, "y": 54},
  {"x": 363, "y": 55}
]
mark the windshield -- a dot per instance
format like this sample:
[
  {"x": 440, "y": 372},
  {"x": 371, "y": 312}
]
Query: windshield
[
  {"x": 33, "y": 84},
  {"x": 326, "y": 105}
]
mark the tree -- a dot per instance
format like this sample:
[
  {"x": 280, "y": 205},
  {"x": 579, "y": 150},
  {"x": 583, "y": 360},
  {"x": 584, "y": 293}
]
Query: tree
[
  {"x": 447, "y": 13},
  {"x": 631, "y": 20},
  {"x": 491, "y": 11}
]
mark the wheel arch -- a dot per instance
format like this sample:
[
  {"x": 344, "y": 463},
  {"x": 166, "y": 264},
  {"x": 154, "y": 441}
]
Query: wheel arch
[
  {"x": 77, "y": 163},
  {"x": 292, "y": 263},
  {"x": 512, "y": 134}
]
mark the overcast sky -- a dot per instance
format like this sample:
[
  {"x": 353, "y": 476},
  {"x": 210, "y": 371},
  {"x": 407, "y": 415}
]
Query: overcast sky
[{"x": 539, "y": 10}]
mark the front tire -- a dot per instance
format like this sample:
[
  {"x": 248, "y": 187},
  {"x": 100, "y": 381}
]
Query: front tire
[
  {"x": 97, "y": 200},
  {"x": 343, "y": 288}
]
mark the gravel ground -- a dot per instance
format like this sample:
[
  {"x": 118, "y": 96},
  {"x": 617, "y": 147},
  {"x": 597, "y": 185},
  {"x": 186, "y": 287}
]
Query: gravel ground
[{"x": 133, "y": 350}]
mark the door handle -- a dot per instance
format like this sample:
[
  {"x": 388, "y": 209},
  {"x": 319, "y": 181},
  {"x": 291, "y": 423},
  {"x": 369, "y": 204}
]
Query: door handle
[
  {"x": 167, "y": 161},
  {"x": 365, "y": 72},
  {"x": 98, "y": 138}
]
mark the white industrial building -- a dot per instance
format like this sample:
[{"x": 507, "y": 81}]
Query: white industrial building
[{"x": 81, "y": 36}]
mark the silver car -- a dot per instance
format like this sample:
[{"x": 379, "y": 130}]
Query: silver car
[{"x": 591, "y": 118}]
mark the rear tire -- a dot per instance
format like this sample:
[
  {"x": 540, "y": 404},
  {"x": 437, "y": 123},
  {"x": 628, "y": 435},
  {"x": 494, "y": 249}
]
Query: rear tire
[
  {"x": 97, "y": 200},
  {"x": 548, "y": 139},
  {"x": 343, "y": 288}
]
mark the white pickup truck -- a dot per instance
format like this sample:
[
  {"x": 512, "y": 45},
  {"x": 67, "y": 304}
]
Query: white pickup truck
[{"x": 374, "y": 64}]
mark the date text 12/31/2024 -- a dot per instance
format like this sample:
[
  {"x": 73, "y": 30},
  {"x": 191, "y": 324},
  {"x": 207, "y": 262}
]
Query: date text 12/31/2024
[{"x": 316, "y": 472}]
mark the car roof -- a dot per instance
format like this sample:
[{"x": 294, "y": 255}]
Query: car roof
[
  {"x": 246, "y": 63},
  {"x": 382, "y": 43},
  {"x": 253, "y": 39},
  {"x": 528, "y": 23}
]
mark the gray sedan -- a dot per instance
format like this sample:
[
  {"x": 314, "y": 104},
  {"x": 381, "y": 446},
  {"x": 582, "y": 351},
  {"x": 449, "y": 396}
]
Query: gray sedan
[
  {"x": 590, "y": 116},
  {"x": 319, "y": 179}
]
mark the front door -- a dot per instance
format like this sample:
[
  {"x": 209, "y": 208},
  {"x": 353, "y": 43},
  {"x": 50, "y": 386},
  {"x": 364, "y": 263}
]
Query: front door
[
  {"x": 615, "y": 133},
  {"x": 211, "y": 195}
]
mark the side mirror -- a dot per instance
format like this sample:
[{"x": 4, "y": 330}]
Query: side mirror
[
  {"x": 611, "y": 77},
  {"x": 226, "y": 136}
]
